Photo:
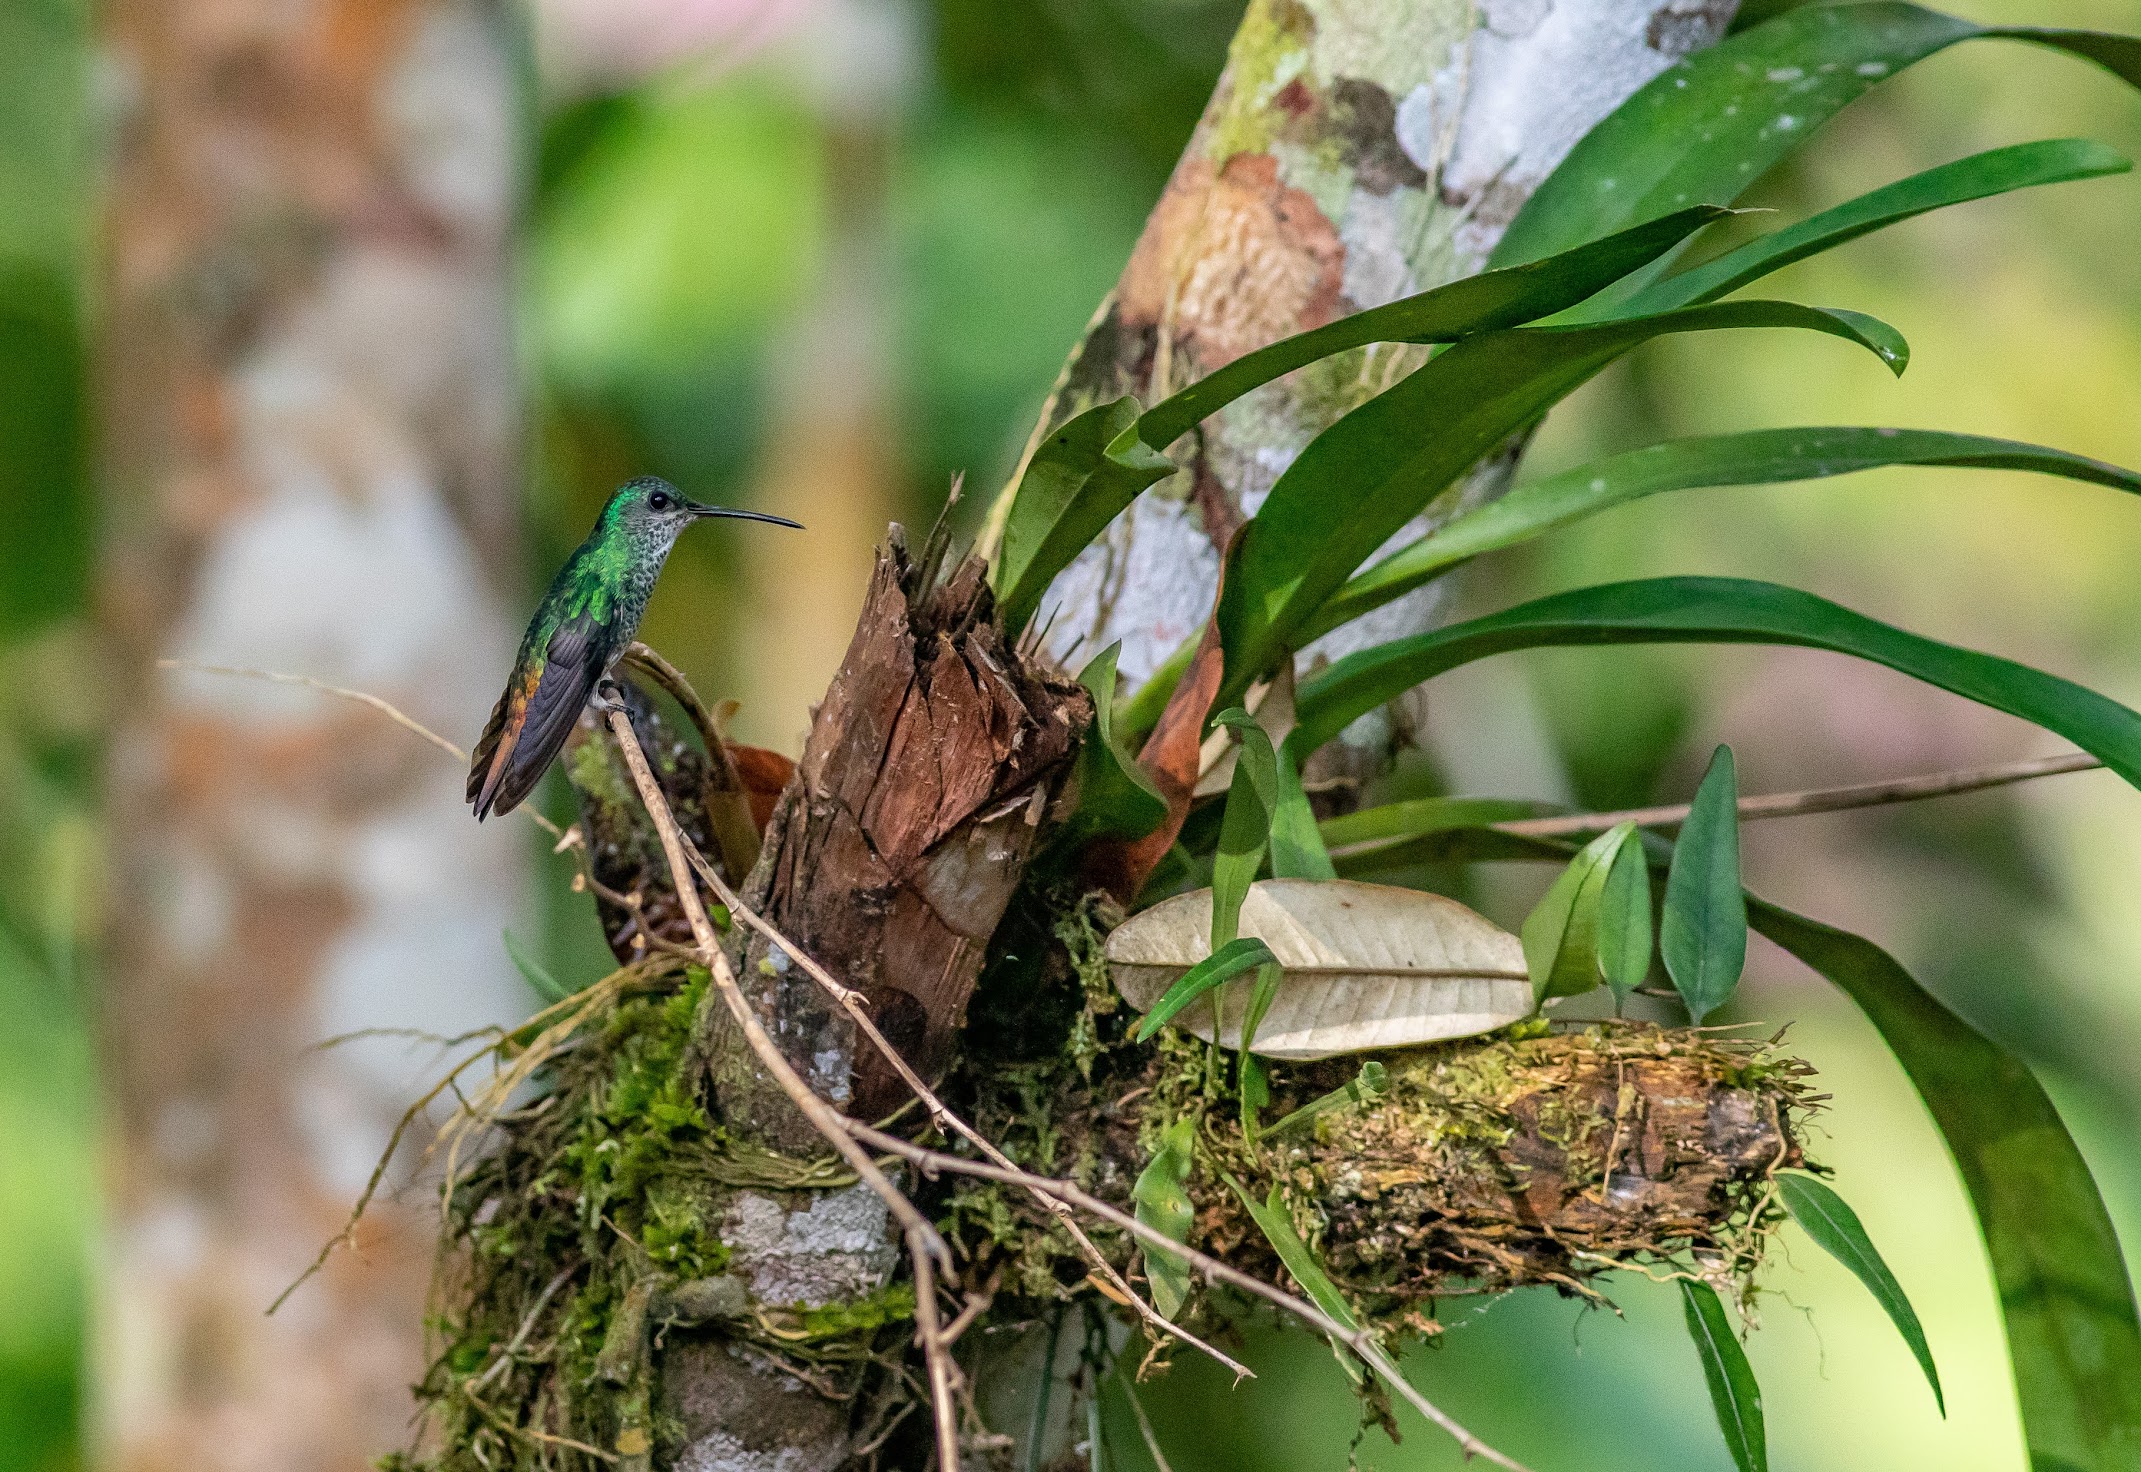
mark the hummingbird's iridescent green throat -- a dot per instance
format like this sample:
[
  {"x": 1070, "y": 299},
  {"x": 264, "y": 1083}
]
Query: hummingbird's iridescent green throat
[{"x": 583, "y": 623}]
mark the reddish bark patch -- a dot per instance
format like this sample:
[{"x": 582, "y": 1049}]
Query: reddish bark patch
[{"x": 1233, "y": 259}]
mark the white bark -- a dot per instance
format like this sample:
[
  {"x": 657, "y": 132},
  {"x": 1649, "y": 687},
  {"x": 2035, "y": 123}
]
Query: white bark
[{"x": 311, "y": 446}]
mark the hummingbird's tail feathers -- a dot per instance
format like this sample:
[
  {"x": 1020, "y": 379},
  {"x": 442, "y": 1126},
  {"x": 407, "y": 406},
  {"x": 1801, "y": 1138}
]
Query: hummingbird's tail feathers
[
  {"x": 483, "y": 763},
  {"x": 712, "y": 511},
  {"x": 539, "y": 711}
]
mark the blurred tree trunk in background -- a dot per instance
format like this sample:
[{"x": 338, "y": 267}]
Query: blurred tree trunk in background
[
  {"x": 832, "y": 458},
  {"x": 310, "y": 456}
]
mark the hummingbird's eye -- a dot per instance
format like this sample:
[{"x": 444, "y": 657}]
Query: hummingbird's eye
[{"x": 659, "y": 501}]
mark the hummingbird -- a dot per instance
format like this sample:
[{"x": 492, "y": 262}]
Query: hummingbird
[{"x": 583, "y": 624}]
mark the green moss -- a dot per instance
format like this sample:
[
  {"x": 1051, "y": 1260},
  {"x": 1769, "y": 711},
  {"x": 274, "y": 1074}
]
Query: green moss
[
  {"x": 1270, "y": 49},
  {"x": 607, "y": 1189}
]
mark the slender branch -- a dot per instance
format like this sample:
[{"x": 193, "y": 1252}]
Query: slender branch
[
  {"x": 947, "y": 1122},
  {"x": 341, "y": 692},
  {"x": 276, "y": 677},
  {"x": 1360, "y": 1341},
  {"x": 936, "y": 1354},
  {"x": 1818, "y": 799}
]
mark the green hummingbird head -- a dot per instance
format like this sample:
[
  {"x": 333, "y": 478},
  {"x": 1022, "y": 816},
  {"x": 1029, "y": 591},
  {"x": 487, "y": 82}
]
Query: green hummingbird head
[{"x": 650, "y": 512}]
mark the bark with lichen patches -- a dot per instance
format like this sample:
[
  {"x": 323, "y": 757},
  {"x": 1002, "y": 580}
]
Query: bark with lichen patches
[{"x": 1351, "y": 154}]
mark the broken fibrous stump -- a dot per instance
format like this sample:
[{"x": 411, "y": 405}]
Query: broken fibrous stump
[{"x": 893, "y": 855}]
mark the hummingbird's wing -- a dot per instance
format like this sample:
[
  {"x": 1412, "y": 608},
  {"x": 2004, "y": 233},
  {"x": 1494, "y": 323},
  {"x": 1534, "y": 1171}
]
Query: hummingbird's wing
[{"x": 535, "y": 715}]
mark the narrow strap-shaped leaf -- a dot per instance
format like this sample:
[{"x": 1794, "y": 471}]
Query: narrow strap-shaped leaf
[
  {"x": 1297, "y": 849},
  {"x": 1755, "y": 457},
  {"x": 1161, "y": 1199},
  {"x": 1714, "y": 122},
  {"x": 1245, "y": 827},
  {"x": 1253, "y": 1076},
  {"x": 1716, "y": 610},
  {"x": 1835, "y": 1227},
  {"x": 2073, "y": 1335},
  {"x": 1733, "y": 1391},
  {"x": 1095, "y": 464},
  {"x": 1244, "y": 953},
  {"x": 1492, "y": 299},
  {"x": 1365, "y": 1087},
  {"x": 1356, "y": 485},
  {"x": 1980, "y": 176},
  {"x": 1703, "y": 932},
  {"x": 1624, "y": 922},
  {"x": 1085, "y": 472},
  {"x": 1278, "y": 1229}
]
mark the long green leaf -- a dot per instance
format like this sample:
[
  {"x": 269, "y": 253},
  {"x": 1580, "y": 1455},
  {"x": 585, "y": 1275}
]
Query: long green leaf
[
  {"x": 2073, "y": 1334},
  {"x": 1836, "y": 1229},
  {"x": 1278, "y": 1229},
  {"x": 1715, "y": 610},
  {"x": 1980, "y": 176},
  {"x": 1252, "y": 1077},
  {"x": 1245, "y": 826},
  {"x": 1365, "y": 1087},
  {"x": 1703, "y": 932},
  {"x": 1115, "y": 797},
  {"x": 1754, "y": 457},
  {"x": 1714, "y": 122},
  {"x": 1244, "y": 953},
  {"x": 1561, "y": 934},
  {"x": 1078, "y": 479},
  {"x": 1161, "y": 1199},
  {"x": 1733, "y": 1391},
  {"x": 1624, "y": 922},
  {"x": 1482, "y": 303},
  {"x": 1096, "y": 463},
  {"x": 1361, "y": 480}
]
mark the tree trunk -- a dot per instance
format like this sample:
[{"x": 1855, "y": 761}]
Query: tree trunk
[
  {"x": 310, "y": 451},
  {"x": 1354, "y": 151}
]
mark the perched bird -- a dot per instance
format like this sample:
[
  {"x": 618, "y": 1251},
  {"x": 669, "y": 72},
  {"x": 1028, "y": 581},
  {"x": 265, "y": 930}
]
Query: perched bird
[{"x": 584, "y": 623}]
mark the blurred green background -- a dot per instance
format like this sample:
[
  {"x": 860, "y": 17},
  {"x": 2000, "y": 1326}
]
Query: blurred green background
[{"x": 693, "y": 228}]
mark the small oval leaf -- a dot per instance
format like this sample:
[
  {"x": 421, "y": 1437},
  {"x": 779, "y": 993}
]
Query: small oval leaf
[
  {"x": 1703, "y": 932},
  {"x": 1367, "y": 966}
]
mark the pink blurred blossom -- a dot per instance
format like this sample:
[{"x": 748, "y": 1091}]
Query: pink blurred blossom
[{"x": 585, "y": 41}]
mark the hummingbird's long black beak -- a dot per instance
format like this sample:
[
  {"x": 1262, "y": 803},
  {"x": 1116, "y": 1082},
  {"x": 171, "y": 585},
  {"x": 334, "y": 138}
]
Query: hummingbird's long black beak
[{"x": 699, "y": 510}]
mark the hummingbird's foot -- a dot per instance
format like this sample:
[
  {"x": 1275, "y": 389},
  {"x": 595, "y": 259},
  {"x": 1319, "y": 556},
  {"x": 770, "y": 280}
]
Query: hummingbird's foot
[{"x": 608, "y": 696}]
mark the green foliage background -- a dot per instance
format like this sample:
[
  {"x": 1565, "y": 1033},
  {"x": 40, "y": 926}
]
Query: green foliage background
[{"x": 673, "y": 230}]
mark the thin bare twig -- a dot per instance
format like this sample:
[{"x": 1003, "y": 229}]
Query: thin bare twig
[
  {"x": 341, "y": 692},
  {"x": 1360, "y": 1341},
  {"x": 924, "y": 1244},
  {"x": 1818, "y": 799},
  {"x": 941, "y": 1115}
]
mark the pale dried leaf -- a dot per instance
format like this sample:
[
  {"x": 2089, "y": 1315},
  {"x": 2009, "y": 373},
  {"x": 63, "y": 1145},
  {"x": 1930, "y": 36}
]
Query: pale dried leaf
[{"x": 1367, "y": 966}]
